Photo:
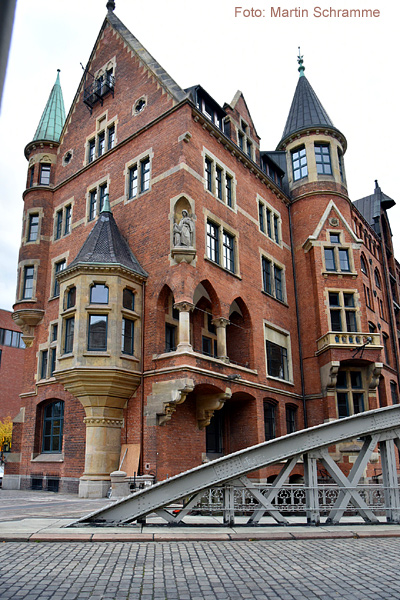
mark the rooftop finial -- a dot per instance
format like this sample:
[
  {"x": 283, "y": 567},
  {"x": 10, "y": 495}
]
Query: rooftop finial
[
  {"x": 106, "y": 208},
  {"x": 110, "y": 5},
  {"x": 301, "y": 68}
]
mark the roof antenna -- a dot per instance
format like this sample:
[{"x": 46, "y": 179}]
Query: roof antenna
[
  {"x": 301, "y": 68},
  {"x": 110, "y": 5}
]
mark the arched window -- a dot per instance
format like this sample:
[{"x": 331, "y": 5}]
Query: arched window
[
  {"x": 53, "y": 422},
  {"x": 363, "y": 265},
  {"x": 377, "y": 279}
]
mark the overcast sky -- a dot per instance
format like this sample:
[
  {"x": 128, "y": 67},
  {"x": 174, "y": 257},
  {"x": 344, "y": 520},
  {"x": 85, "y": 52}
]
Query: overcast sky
[{"x": 352, "y": 64}]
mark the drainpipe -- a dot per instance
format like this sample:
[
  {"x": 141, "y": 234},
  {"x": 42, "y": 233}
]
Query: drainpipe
[
  {"x": 303, "y": 391},
  {"x": 140, "y": 466}
]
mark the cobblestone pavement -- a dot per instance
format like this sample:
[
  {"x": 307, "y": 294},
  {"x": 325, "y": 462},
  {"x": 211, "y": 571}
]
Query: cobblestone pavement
[{"x": 351, "y": 569}]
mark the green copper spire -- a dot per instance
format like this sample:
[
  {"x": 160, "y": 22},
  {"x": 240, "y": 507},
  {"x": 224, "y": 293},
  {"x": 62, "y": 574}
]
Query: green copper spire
[
  {"x": 301, "y": 68},
  {"x": 53, "y": 117}
]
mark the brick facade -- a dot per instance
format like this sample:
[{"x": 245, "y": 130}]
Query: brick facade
[{"x": 272, "y": 330}]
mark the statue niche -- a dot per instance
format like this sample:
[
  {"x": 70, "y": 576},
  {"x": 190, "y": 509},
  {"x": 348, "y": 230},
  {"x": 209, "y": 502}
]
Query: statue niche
[
  {"x": 183, "y": 234},
  {"x": 184, "y": 231}
]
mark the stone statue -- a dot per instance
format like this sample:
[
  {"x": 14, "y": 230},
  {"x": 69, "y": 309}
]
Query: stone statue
[{"x": 184, "y": 230}]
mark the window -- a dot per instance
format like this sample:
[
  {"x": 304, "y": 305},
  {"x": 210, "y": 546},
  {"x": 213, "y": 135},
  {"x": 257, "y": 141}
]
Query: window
[
  {"x": 228, "y": 256},
  {"x": 44, "y": 174},
  {"x": 70, "y": 299},
  {"x": 350, "y": 394},
  {"x": 69, "y": 325},
  {"x": 67, "y": 223},
  {"x": 53, "y": 356},
  {"x": 394, "y": 392},
  {"x": 27, "y": 290},
  {"x": 96, "y": 200},
  {"x": 343, "y": 311},
  {"x": 337, "y": 258},
  {"x": 31, "y": 176},
  {"x": 128, "y": 328},
  {"x": 43, "y": 367},
  {"x": 269, "y": 221},
  {"x": 219, "y": 180},
  {"x": 364, "y": 268},
  {"x": 209, "y": 337},
  {"x": 59, "y": 266},
  {"x": 33, "y": 228},
  {"x": 323, "y": 159},
  {"x": 144, "y": 175},
  {"x": 101, "y": 143},
  {"x": 128, "y": 299},
  {"x": 299, "y": 163},
  {"x": 277, "y": 361},
  {"x": 11, "y": 338},
  {"x": 138, "y": 178},
  {"x": 99, "y": 294},
  {"x": 244, "y": 142},
  {"x": 278, "y": 354},
  {"x": 385, "y": 340},
  {"x": 272, "y": 276},
  {"x": 261, "y": 216},
  {"x": 62, "y": 221},
  {"x": 220, "y": 246},
  {"x": 269, "y": 421},
  {"x": 291, "y": 418},
  {"x": 170, "y": 337},
  {"x": 91, "y": 150},
  {"x": 53, "y": 422},
  {"x": 377, "y": 279},
  {"x": 97, "y": 333},
  {"x": 58, "y": 227},
  {"x": 367, "y": 296},
  {"x": 340, "y": 161},
  {"x": 111, "y": 137},
  {"x": 212, "y": 241}
]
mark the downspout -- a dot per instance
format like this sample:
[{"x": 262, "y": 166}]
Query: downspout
[
  {"x": 303, "y": 391},
  {"x": 141, "y": 442}
]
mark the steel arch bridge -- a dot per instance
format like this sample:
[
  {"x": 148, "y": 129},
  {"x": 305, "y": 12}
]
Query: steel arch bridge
[{"x": 224, "y": 478}]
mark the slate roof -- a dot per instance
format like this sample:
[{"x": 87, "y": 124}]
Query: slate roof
[
  {"x": 106, "y": 246},
  {"x": 371, "y": 206},
  {"x": 166, "y": 80},
  {"x": 53, "y": 117},
  {"x": 306, "y": 110}
]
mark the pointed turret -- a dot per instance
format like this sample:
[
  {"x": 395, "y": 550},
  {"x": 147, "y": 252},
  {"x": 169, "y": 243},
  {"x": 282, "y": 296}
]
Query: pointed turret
[
  {"x": 314, "y": 146},
  {"x": 53, "y": 117},
  {"x": 306, "y": 110},
  {"x": 106, "y": 246}
]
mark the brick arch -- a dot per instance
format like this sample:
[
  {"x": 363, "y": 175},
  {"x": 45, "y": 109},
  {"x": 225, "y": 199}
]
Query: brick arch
[
  {"x": 239, "y": 334},
  {"x": 212, "y": 296}
]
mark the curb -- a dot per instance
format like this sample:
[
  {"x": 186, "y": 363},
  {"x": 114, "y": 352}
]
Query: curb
[{"x": 194, "y": 537}]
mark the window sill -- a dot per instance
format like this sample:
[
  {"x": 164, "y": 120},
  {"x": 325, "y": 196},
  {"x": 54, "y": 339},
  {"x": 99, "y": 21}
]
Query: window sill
[
  {"x": 129, "y": 357},
  {"x": 211, "y": 262},
  {"x": 50, "y": 457},
  {"x": 351, "y": 274},
  {"x": 287, "y": 381},
  {"x": 274, "y": 298},
  {"x": 102, "y": 353}
]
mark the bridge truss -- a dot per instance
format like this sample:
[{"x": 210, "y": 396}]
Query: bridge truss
[{"x": 222, "y": 487}]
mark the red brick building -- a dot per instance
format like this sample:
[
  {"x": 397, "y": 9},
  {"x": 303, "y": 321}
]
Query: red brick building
[
  {"x": 11, "y": 365},
  {"x": 184, "y": 293}
]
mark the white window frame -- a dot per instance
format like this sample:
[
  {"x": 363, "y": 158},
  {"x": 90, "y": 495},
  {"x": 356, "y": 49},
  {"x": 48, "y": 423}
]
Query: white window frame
[
  {"x": 226, "y": 173},
  {"x": 223, "y": 228},
  {"x": 280, "y": 337},
  {"x": 137, "y": 161},
  {"x": 275, "y": 219}
]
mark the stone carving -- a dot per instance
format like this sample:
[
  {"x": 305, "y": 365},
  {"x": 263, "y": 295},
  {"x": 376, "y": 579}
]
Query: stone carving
[{"x": 184, "y": 231}]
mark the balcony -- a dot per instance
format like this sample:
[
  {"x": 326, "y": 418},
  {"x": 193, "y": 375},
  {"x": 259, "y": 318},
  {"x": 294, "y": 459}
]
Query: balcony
[
  {"x": 95, "y": 91},
  {"x": 346, "y": 339}
]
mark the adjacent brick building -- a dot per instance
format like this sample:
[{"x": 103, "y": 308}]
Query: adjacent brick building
[
  {"x": 183, "y": 293},
  {"x": 11, "y": 365}
]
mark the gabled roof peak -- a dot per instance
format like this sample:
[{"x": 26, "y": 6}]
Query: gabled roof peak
[{"x": 53, "y": 117}]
